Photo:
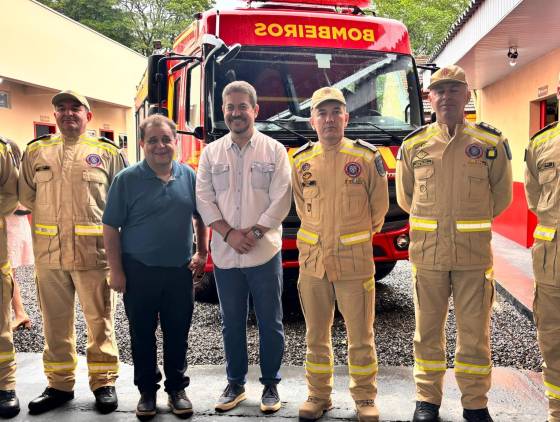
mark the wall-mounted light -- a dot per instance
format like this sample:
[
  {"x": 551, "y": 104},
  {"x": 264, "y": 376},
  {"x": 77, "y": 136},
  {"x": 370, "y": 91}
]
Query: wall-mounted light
[{"x": 512, "y": 56}]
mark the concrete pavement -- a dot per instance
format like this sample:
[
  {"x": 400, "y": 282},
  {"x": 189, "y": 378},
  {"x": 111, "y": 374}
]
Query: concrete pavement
[{"x": 515, "y": 395}]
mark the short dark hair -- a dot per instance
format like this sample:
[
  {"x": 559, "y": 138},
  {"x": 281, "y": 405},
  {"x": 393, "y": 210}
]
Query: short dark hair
[
  {"x": 157, "y": 120},
  {"x": 244, "y": 88}
]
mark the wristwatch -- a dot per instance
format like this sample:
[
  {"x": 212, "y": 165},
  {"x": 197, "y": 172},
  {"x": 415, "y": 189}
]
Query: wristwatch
[{"x": 257, "y": 232}]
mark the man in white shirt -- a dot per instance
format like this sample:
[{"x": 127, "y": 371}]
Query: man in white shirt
[{"x": 243, "y": 192}]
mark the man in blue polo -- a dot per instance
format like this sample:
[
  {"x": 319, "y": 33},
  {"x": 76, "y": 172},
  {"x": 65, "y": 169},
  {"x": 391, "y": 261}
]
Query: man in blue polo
[{"x": 153, "y": 204}]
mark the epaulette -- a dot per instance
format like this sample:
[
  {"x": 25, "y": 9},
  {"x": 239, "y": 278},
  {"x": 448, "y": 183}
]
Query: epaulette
[
  {"x": 304, "y": 147},
  {"x": 415, "y": 132},
  {"x": 544, "y": 129},
  {"x": 488, "y": 128},
  {"x": 3, "y": 141},
  {"x": 45, "y": 136},
  {"x": 364, "y": 144},
  {"x": 107, "y": 141}
]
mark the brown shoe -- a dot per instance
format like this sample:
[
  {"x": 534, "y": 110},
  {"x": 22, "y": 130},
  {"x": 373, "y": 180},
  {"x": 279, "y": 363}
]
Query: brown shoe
[
  {"x": 367, "y": 411},
  {"x": 313, "y": 408}
]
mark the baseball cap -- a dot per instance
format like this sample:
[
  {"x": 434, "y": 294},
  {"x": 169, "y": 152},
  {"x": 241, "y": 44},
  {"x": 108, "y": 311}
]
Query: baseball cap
[
  {"x": 70, "y": 95},
  {"x": 327, "y": 94},
  {"x": 450, "y": 73}
]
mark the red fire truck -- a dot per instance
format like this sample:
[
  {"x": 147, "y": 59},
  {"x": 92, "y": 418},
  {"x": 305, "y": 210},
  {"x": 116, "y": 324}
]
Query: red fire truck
[{"x": 287, "y": 50}]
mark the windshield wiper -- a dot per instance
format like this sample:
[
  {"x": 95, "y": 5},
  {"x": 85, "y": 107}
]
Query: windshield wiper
[
  {"x": 386, "y": 132},
  {"x": 293, "y": 132}
]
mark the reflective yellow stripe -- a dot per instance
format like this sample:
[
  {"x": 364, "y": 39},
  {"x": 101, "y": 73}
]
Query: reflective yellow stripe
[
  {"x": 474, "y": 225},
  {"x": 369, "y": 285},
  {"x": 420, "y": 138},
  {"x": 98, "y": 144},
  {"x": 7, "y": 356},
  {"x": 308, "y": 155},
  {"x": 354, "y": 238},
  {"x": 430, "y": 365},
  {"x": 388, "y": 157},
  {"x": 489, "y": 274},
  {"x": 319, "y": 368},
  {"x": 363, "y": 369},
  {"x": 423, "y": 224},
  {"x": 482, "y": 135},
  {"x": 6, "y": 269},
  {"x": 357, "y": 152},
  {"x": 2, "y": 148},
  {"x": 43, "y": 144},
  {"x": 45, "y": 230},
  {"x": 307, "y": 236},
  {"x": 469, "y": 368},
  {"x": 59, "y": 366},
  {"x": 88, "y": 230},
  {"x": 552, "y": 390},
  {"x": 547, "y": 136},
  {"x": 101, "y": 367},
  {"x": 544, "y": 233}
]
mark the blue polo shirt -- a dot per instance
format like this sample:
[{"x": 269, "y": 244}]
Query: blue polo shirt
[{"x": 155, "y": 217}]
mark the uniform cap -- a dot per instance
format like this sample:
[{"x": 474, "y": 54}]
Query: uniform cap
[
  {"x": 70, "y": 95},
  {"x": 327, "y": 94},
  {"x": 449, "y": 73}
]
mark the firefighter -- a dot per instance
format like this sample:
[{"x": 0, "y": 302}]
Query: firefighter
[
  {"x": 453, "y": 177},
  {"x": 9, "y": 403},
  {"x": 543, "y": 196},
  {"x": 64, "y": 180},
  {"x": 341, "y": 196}
]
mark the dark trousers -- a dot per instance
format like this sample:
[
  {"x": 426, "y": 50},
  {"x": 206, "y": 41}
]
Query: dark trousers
[{"x": 167, "y": 292}]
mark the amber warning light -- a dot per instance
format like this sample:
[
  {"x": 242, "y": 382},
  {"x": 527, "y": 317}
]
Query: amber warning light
[{"x": 350, "y": 3}]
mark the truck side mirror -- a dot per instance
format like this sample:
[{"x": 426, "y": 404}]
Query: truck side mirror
[{"x": 157, "y": 79}]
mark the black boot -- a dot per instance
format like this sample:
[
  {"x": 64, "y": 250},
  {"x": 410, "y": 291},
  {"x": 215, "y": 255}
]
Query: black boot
[
  {"x": 9, "y": 404},
  {"x": 106, "y": 399},
  {"x": 146, "y": 408},
  {"x": 426, "y": 412},
  {"x": 477, "y": 415},
  {"x": 50, "y": 399}
]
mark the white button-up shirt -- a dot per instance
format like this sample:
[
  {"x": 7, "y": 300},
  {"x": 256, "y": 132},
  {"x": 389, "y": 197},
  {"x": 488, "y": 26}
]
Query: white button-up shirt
[{"x": 244, "y": 187}]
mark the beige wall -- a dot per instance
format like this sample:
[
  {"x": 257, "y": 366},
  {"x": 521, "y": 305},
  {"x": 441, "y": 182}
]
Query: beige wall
[{"x": 511, "y": 104}]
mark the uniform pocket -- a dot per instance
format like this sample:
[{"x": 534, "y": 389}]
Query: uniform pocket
[
  {"x": 89, "y": 248},
  {"x": 354, "y": 198},
  {"x": 43, "y": 181},
  {"x": 424, "y": 184},
  {"x": 261, "y": 174},
  {"x": 355, "y": 253},
  {"x": 473, "y": 247},
  {"x": 220, "y": 176},
  {"x": 547, "y": 178},
  {"x": 423, "y": 240},
  {"x": 545, "y": 262},
  {"x": 95, "y": 187},
  {"x": 477, "y": 183},
  {"x": 311, "y": 203},
  {"x": 46, "y": 244}
]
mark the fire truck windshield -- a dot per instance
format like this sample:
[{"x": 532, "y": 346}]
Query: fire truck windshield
[{"x": 381, "y": 89}]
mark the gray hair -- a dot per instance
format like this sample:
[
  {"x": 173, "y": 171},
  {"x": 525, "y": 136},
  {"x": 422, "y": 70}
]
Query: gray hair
[
  {"x": 157, "y": 120},
  {"x": 242, "y": 87}
]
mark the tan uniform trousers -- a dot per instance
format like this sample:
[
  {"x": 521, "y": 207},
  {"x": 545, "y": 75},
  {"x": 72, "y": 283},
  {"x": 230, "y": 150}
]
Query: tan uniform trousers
[
  {"x": 356, "y": 303},
  {"x": 473, "y": 296},
  {"x": 56, "y": 290},
  {"x": 7, "y": 353},
  {"x": 546, "y": 308}
]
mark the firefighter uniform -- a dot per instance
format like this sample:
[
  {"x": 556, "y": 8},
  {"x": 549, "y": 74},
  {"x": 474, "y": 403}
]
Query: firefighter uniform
[
  {"x": 341, "y": 199},
  {"x": 65, "y": 184},
  {"x": 8, "y": 203},
  {"x": 542, "y": 187},
  {"x": 452, "y": 187}
]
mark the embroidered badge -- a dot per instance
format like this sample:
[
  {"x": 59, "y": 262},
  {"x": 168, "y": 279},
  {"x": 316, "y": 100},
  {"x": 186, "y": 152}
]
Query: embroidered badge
[
  {"x": 491, "y": 153},
  {"x": 421, "y": 154},
  {"x": 93, "y": 160},
  {"x": 379, "y": 166},
  {"x": 352, "y": 169},
  {"x": 306, "y": 175},
  {"x": 305, "y": 166},
  {"x": 473, "y": 151},
  {"x": 422, "y": 163}
]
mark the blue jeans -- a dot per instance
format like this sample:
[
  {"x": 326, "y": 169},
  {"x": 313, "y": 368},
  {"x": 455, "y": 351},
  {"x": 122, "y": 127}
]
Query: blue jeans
[{"x": 264, "y": 282}]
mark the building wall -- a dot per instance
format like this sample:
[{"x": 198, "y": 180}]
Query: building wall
[{"x": 512, "y": 105}]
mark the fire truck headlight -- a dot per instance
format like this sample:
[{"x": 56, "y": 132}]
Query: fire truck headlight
[{"x": 402, "y": 241}]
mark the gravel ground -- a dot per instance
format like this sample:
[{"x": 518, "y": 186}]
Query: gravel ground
[{"x": 513, "y": 336}]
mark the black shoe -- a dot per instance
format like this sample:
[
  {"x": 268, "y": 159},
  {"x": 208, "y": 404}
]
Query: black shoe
[
  {"x": 270, "y": 400},
  {"x": 426, "y": 412},
  {"x": 106, "y": 399},
  {"x": 146, "y": 407},
  {"x": 231, "y": 397},
  {"x": 180, "y": 403},
  {"x": 50, "y": 399},
  {"x": 9, "y": 404},
  {"x": 477, "y": 415}
]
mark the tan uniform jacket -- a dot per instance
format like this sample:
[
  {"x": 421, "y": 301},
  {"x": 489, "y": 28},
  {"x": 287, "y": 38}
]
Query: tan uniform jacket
[
  {"x": 452, "y": 187},
  {"x": 341, "y": 199},
  {"x": 8, "y": 195},
  {"x": 542, "y": 187},
  {"x": 65, "y": 185}
]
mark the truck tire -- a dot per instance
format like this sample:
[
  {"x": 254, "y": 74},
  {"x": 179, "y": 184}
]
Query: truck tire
[
  {"x": 382, "y": 269},
  {"x": 205, "y": 289}
]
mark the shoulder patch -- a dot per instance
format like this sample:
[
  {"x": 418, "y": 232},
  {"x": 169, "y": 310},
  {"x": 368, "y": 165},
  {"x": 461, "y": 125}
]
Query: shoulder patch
[
  {"x": 379, "y": 165},
  {"x": 488, "y": 128},
  {"x": 303, "y": 148},
  {"x": 544, "y": 129},
  {"x": 508, "y": 150},
  {"x": 415, "y": 132},
  {"x": 364, "y": 144},
  {"x": 46, "y": 136},
  {"x": 107, "y": 141}
]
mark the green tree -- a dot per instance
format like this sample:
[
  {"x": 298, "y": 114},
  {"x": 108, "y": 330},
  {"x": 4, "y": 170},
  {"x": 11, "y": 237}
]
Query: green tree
[{"x": 428, "y": 21}]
